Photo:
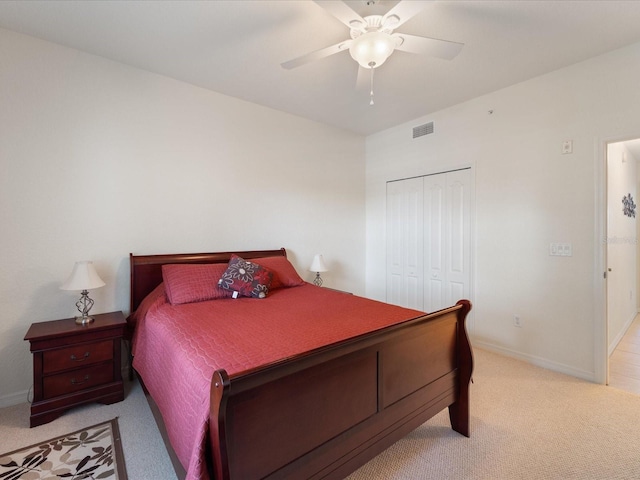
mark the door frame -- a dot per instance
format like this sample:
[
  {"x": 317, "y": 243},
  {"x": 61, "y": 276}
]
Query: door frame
[
  {"x": 601, "y": 321},
  {"x": 471, "y": 166}
]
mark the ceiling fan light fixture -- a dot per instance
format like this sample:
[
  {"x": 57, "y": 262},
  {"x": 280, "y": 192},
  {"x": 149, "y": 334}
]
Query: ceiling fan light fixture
[{"x": 372, "y": 49}]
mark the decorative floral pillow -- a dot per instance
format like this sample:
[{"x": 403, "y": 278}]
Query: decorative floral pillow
[{"x": 247, "y": 278}]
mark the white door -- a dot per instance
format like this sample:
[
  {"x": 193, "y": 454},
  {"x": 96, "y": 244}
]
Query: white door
[
  {"x": 435, "y": 251},
  {"x": 457, "y": 237},
  {"x": 428, "y": 247},
  {"x": 404, "y": 243}
]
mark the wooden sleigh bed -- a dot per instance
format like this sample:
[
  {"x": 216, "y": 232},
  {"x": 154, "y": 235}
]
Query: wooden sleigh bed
[{"x": 325, "y": 412}]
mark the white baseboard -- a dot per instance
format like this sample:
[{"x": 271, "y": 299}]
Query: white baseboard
[
  {"x": 537, "y": 361},
  {"x": 13, "y": 399}
]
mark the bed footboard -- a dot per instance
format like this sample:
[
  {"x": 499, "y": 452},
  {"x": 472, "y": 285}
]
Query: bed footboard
[{"x": 327, "y": 412}]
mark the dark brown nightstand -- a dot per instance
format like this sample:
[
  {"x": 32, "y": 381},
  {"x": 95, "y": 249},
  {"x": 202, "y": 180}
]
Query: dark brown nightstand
[{"x": 75, "y": 364}]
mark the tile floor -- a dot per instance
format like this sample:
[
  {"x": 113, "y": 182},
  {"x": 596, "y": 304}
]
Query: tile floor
[{"x": 624, "y": 363}]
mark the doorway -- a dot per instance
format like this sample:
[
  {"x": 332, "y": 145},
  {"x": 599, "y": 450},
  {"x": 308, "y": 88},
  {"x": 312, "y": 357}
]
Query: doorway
[{"x": 622, "y": 322}]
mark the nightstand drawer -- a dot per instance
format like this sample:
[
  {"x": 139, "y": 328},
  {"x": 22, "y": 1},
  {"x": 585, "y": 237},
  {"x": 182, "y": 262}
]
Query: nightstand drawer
[
  {"x": 77, "y": 356},
  {"x": 69, "y": 382}
]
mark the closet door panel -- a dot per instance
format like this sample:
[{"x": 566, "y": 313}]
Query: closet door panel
[
  {"x": 434, "y": 234},
  {"x": 413, "y": 259},
  {"x": 405, "y": 219},
  {"x": 458, "y": 235},
  {"x": 394, "y": 244}
]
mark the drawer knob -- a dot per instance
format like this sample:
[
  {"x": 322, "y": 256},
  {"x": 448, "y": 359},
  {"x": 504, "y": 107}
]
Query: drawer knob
[
  {"x": 82, "y": 359},
  {"x": 76, "y": 382}
]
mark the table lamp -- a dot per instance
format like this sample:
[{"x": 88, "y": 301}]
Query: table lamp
[
  {"x": 318, "y": 266},
  {"x": 83, "y": 278}
]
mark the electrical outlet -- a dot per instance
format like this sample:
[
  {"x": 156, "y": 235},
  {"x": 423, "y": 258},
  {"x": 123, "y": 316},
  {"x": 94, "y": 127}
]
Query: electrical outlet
[{"x": 517, "y": 321}]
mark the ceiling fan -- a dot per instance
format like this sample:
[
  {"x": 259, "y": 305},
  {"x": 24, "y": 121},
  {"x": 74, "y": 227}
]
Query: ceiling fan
[{"x": 373, "y": 40}]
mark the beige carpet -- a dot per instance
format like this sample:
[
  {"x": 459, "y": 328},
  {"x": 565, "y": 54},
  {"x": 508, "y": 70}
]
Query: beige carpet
[{"x": 526, "y": 423}]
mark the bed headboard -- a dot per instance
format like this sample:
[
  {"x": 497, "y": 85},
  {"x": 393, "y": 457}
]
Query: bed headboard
[{"x": 146, "y": 270}]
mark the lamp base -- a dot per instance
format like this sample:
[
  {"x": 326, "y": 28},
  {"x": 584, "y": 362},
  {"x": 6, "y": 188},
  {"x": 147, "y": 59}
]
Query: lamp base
[
  {"x": 84, "y": 305},
  {"x": 84, "y": 320}
]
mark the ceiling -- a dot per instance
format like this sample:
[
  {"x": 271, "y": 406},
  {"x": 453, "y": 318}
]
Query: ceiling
[{"x": 235, "y": 47}]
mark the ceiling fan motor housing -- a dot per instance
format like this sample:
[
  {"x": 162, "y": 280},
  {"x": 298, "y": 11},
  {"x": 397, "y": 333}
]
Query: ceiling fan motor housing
[{"x": 373, "y": 43}]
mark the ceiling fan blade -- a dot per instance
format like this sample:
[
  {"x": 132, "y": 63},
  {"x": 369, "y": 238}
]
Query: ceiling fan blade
[
  {"x": 428, "y": 46},
  {"x": 343, "y": 12},
  {"x": 317, "y": 55},
  {"x": 403, "y": 11}
]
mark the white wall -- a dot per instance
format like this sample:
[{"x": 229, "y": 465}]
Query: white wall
[
  {"x": 621, "y": 243},
  {"x": 528, "y": 195},
  {"x": 99, "y": 159}
]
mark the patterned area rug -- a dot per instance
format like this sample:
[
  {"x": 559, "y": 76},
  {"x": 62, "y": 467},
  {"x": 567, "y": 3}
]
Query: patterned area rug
[{"x": 91, "y": 453}]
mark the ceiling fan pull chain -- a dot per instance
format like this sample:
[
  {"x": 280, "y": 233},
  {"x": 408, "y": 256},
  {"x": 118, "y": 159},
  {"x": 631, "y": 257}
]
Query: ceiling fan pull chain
[{"x": 371, "y": 92}]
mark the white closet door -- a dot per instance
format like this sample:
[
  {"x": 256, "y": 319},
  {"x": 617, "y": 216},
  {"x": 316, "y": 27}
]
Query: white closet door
[
  {"x": 405, "y": 219},
  {"x": 447, "y": 203},
  {"x": 428, "y": 240},
  {"x": 457, "y": 236},
  {"x": 435, "y": 238}
]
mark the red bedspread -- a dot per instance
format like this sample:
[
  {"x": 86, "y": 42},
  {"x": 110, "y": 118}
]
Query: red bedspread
[{"x": 177, "y": 348}]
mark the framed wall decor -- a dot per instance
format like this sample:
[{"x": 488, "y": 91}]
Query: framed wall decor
[{"x": 628, "y": 206}]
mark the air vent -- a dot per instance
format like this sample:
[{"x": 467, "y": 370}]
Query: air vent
[{"x": 423, "y": 130}]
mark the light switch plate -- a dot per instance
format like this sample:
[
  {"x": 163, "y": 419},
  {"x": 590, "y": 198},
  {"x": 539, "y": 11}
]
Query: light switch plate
[{"x": 560, "y": 250}]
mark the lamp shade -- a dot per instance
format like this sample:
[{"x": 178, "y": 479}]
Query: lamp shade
[
  {"x": 318, "y": 264},
  {"x": 83, "y": 277},
  {"x": 372, "y": 49}
]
